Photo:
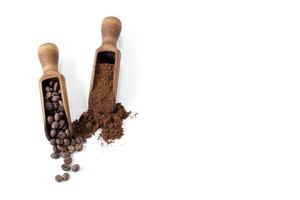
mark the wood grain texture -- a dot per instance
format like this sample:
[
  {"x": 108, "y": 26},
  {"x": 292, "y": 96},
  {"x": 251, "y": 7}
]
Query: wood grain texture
[
  {"x": 110, "y": 29},
  {"x": 48, "y": 55}
]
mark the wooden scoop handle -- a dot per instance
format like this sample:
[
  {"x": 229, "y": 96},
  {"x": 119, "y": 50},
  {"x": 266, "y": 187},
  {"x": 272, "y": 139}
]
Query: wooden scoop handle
[
  {"x": 111, "y": 29},
  {"x": 48, "y": 55}
]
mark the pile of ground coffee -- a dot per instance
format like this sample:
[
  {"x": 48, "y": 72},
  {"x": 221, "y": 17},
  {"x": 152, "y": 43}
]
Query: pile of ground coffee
[{"x": 102, "y": 113}]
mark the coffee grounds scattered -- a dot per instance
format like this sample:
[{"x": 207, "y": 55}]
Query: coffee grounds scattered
[{"x": 110, "y": 124}]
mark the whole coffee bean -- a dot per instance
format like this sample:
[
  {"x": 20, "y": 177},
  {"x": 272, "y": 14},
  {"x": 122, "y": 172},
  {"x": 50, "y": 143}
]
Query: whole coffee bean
[
  {"x": 67, "y": 132},
  {"x": 54, "y": 125},
  {"x": 61, "y": 108},
  {"x": 48, "y": 89},
  {"x": 62, "y": 113},
  {"x": 54, "y": 155},
  {"x": 75, "y": 168},
  {"x": 55, "y": 149},
  {"x": 53, "y": 141},
  {"x": 73, "y": 142},
  {"x": 68, "y": 160},
  {"x": 48, "y": 95},
  {"x": 55, "y": 106},
  {"x": 78, "y": 140},
  {"x": 50, "y": 119},
  {"x": 48, "y": 106},
  {"x": 59, "y": 141},
  {"x": 56, "y": 86},
  {"x": 66, "y": 167},
  {"x": 71, "y": 148},
  {"x": 61, "y": 134},
  {"x": 53, "y": 133},
  {"x": 59, "y": 178},
  {"x": 55, "y": 98},
  {"x": 57, "y": 116},
  {"x": 66, "y": 142},
  {"x": 66, "y": 176},
  {"x": 51, "y": 83},
  {"x": 61, "y": 123},
  {"x": 61, "y": 147},
  {"x": 78, "y": 147},
  {"x": 65, "y": 155}
]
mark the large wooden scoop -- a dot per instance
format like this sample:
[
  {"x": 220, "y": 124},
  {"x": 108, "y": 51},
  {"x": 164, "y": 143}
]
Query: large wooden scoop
[
  {"x": 48, "y": 56},
  {"x": 106, "y": 55}
]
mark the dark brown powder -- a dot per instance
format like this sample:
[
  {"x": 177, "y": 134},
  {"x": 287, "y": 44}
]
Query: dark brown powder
[
  {"x": 110, "y": 124},
  {"x": 102, "y": 113},
  {"x": 102, "y": 99}
]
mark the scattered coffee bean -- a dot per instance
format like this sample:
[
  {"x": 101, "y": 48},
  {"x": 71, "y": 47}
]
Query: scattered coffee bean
[
  {"x": 73, "y": 142},
  {"x": 59, "y": 178},
  {"x": 66, "y": 176},
  {"x": 71, "y": 148},
  {"x": 65, "y": 155},
  {"x": 61, "y": 147},
  {"x": 78, "y": 140},
  {"x": 67, "y": 132},
  {"x": 54, "y": 155},
  {"x": 66, "y": 167},
  {"x": 54, "y": 125},
  {"x": 78, "y": 147},
  {"x": 61, "y": 123},
  {"x": 68, "y": 160},
  {"x": 75, "y": 168},
  {"x": 66, "y": 142}
]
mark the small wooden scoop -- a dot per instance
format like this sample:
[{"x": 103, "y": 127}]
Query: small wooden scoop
[
  {"x": 107, "y": 53},
  {"x": 48, "y": 55}
]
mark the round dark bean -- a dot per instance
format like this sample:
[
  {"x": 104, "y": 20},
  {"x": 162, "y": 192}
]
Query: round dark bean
[
  {"x": 66, "y": 176},
  {"x": 78, "y": 147},
  {"x": 71, "y": 148},
  {"x": 54, "y": 155},
  {"x": 57, "y": 116},
  {"x": 68, "y": 160},
  {"x": 61, "y": 123},
  {"x": 53, "y": 133},
  {"x": 55, "y": 106},
  {"x": 66, "y": 167},
  {"x": 67, "y": 132},
  {"x": 48, "y": 106},
  {"x": 78, "y": 140},
  {"x": 61, "y": 147},
  {"x": 56, "y": 86},
  {"x": 65, "y": 155},
  {"x": 66, "y": 142},
  {"x": 55, "y": 150},
  {"x": 73, "y": 142},
  {"x": 53, "y": 141},
  {"x": 75, "y": 168},
  {"x": 54, "y": 125},
  {"x": 62, "y": 113},
  {"x": 60, "y": 103},
  {"x": 55, "y": 98},
  {"x": 61, "y": 134},
  {"x": 59, "y": 141},
  {"x": 50, "y": 119},
  {"x": 59, "y": 178}
]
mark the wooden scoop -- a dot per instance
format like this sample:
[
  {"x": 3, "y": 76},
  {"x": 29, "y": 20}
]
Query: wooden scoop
[
  {"x": 107, "y": 53},
  {"x": 48, "y": 56}
]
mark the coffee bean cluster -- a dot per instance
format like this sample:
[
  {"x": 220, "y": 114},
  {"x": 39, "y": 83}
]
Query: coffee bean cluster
[{"x": 61, "y": 138}]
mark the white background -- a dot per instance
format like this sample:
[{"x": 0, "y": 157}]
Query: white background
[{"x": 216, "y": 85}]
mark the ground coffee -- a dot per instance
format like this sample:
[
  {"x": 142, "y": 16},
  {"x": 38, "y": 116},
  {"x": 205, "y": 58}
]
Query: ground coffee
[{"x": 102, "y": 113}]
